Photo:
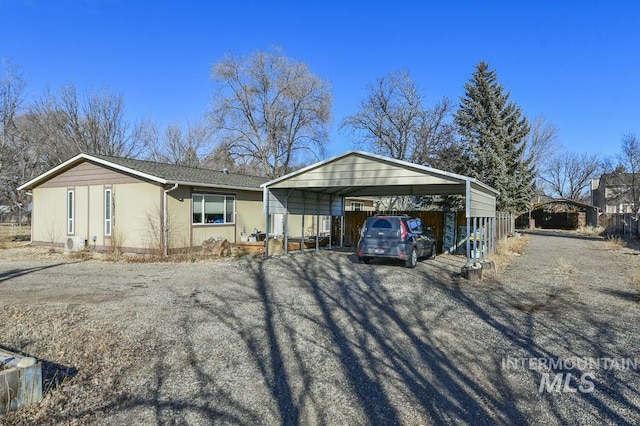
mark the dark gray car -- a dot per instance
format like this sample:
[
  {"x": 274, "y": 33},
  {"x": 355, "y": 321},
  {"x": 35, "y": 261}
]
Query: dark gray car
[{"x": 395, "y": 237}]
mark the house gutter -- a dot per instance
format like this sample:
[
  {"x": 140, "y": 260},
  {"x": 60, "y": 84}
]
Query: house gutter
[{"x": 165, "y": 219}]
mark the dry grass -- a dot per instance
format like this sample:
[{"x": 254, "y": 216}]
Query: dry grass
[
  {"x": 565, "y": 268},
  {"x": 85, "y": 363},
  {"x": 614, "y": 243},
  {"x": 507, "y": 249},
  {"x": 186, "y": 256},
  {"x": 592, "y": 231},
  {"x": 635, "y": 281},
  {"x": 12, "y": 236}
]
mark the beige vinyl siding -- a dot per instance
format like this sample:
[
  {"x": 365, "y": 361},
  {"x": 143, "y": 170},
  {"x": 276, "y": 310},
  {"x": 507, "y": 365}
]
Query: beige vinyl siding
[
  {"x": 249, "y": 212},
  {"x": 96, "y": 216},
  {"x": 295, "y": 225},
  {"x": 137, "y": 212},
  {"x": 204, "y": 232},
  {"x": 50, "y": 219},
  {"x": 179, "y": 211},
  {"x": 81, "y": 211},
  {"x": 88, "y": 173}
]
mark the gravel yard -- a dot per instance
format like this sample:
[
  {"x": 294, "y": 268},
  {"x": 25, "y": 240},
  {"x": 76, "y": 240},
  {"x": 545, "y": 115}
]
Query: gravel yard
[{"x": 317, "y": 338}]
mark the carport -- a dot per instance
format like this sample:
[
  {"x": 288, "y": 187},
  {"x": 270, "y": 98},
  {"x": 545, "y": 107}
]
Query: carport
[{"x": 320, "y": 189}]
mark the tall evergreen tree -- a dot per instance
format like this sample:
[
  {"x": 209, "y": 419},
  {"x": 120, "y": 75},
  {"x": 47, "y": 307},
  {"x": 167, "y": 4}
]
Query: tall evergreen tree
[{"x": 495, "y": 131}]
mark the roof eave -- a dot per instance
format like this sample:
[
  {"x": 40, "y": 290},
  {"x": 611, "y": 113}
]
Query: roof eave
[
  {"x": 35, "y": 181},
  {"x": 212, "y": 185},
  {"x": 484, "y": 185}
]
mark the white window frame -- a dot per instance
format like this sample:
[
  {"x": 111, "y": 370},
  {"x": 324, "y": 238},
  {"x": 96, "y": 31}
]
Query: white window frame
[
  {"x": 71, "y": 208},
  {"x": 326, "y": 224},
  {"x": 224, "y": 215},
  {"x": 108, "y": 211},
  {"x": 360, "y": 204}
]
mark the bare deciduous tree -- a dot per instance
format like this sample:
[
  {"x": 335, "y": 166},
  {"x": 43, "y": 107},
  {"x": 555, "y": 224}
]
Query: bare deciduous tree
[
  {"x": 270, "y": 110},
  {"x": 12, "y": 85},
  {"x": 221, "y": 158},
  {"x": 569, "y": 174},
  {"x": 541, "y": 144},
  {"x": 628, "y": 172},
  {"x": 15, "y": 166},
  {"x": 182, "y": 146},
  {"x": 393, "y": 121},
  {"x": 66, "y": 123}
]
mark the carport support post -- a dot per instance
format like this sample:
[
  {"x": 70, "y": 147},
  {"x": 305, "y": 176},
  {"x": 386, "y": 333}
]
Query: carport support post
[
  {"x": 266, "y": 223},
  {"x": 480, "y": 239},
  {"x": 317, "y": 222},
  {"x": 468, "y": 240},
  {"x": 482, "y": 242},
  {"x": 286, "y": 223},
  {"x": 467, "y": 206},
  {"x": 490, "y": 235},
  {"x": 485, "y": 237},
  {"x": 341, "y": 229},
  {"x": 494, "y": 231},
  {"x": 304, "y": 211},
  {"x": 475, "y": 241},
  {"x": 330, "y": 221}
]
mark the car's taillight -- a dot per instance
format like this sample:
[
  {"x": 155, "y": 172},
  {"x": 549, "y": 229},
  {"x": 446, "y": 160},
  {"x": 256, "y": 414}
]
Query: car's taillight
[{"x": 404, "y": 231}]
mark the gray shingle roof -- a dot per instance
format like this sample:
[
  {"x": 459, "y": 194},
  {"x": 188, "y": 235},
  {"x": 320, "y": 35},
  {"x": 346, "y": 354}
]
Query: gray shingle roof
[{"x": 184, "y": 174}]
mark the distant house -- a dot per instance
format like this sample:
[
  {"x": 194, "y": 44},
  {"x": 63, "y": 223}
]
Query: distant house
[
  {"x": 613, "y": 192},
  {"x": 355, "y": 204},
  {"x": 5, "y": 213},
  {"x": 141, "y": 206}
]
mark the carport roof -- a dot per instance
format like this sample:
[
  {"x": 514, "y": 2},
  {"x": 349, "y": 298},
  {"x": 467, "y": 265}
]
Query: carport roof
[{"x": 358, "y": 173}]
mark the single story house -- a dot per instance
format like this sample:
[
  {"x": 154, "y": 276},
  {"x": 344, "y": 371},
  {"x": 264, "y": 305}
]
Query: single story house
[{"x": 137, "y": 206}]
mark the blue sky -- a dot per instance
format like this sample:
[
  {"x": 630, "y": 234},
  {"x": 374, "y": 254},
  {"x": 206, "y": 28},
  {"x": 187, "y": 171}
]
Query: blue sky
[{"x": 577, "y": 63}]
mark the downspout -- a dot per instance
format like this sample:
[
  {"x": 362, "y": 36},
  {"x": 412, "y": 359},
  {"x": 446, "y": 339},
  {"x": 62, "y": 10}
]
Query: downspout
[{"x": 165, "y": 219}]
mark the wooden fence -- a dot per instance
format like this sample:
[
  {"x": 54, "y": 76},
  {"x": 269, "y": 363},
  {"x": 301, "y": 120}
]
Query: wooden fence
[
  {"x": 627, "y": 224},
  {"x": 505, "y": 224},
  {"x": 353, "y": 221}
]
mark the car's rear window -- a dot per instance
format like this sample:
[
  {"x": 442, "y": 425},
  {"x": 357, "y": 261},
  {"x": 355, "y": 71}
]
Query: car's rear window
[{"x": 381, "y": 224}]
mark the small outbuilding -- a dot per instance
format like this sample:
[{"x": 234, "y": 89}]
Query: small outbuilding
[{"x": 561, "y": 213}]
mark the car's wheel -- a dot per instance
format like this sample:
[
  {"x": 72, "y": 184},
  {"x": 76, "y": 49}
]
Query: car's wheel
[
  {"x": 433, "y": 251},
  {"x": 365, "y": 260},
  {"x": 412, "y": 260}
]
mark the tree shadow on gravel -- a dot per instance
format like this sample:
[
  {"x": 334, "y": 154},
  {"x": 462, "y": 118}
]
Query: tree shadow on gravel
[
  {"x": 386, "y": 350},
  {"x": 561, "y": 234},
  {"x": 521, "y": 329},
  {"x": 215, "y": 399},
  {"x": 15, "y": 273},
  {"x": 318, "y": 339}
]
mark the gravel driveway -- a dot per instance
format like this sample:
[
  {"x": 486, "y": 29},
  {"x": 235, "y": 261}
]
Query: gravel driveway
[{"x": 317, "y": 338}]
